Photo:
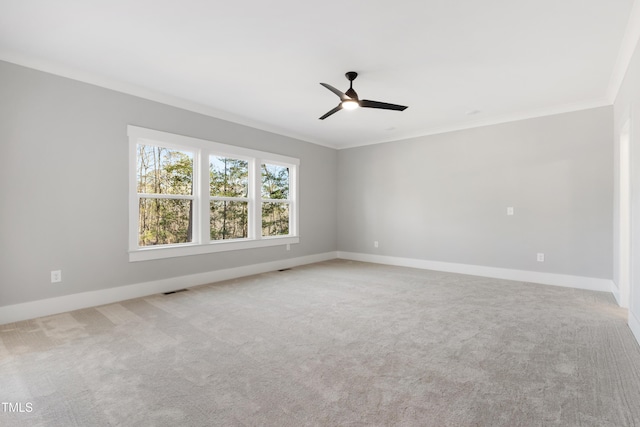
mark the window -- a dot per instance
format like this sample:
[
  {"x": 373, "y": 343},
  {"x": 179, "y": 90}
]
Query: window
[
  {"x": 165, "y": 195},
  {"x": 190, "y": 196},
  {"x": 229, "y": 202},
  {"x": 275, "y": 200}
]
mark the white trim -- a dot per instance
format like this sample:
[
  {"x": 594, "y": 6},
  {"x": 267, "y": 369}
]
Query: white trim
[
  {"x": 46, "y": 307},
  {"x": 634, "y": 325},
  {"x": 50, "y": 306},
  {"x": 202, "y": 205},
  {"x": 288, "y": 201},
  {"x": 184, "y": 142},
  {"x": 202, "y": 150},
  {"x": 627, "y": 48},
  {"x": 228, "y": 199},
  {"x": 624, "y": 215},
  {"x": 616, "y": 293},
  {"x": 255, "y": 206},
  {"x": 149, "y": 94},
  {"x": 587, "y": 283},
  {"x": 493, "y": 120},
  {"x": 152, "y": 95},
  {"x": 294, "y": 196},
  {"x": 186, "y": 249},
  {"x": 133, "y": 196},
  {"x": 165, "y": 196}
]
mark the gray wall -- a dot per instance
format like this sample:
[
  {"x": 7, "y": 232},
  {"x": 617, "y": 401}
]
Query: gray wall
[
  {"x": 627, "y": 107},
  {"x": 64, "y": 187},
  {"x": 444, "y": 197}
]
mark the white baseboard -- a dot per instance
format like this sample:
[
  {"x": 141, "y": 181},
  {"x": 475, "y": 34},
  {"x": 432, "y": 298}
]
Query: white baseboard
[
  {"x": 616, "y": 293},
  {"x": 46, "y": 307},
  {"x": 634, "y": 325},
  {"x": 587, "y": 283}
]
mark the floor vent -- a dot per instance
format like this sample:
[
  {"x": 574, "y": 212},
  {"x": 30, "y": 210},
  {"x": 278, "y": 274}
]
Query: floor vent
[{"x": 175, "y": 292}]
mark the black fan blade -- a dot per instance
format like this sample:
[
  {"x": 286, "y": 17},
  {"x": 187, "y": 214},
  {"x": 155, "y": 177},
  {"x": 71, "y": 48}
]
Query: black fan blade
[
  {"x": 335, "y": 110},
  {"x": 336, "y": 91},
  {"x": 383, "y": 105}
]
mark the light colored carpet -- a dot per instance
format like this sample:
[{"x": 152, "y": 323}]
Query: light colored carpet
[{"x": 334, "y": 344}]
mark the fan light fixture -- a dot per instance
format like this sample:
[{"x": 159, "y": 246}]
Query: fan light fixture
[
  {"x": 349, "y": 100},
  {"x": 350, "y": 104}
]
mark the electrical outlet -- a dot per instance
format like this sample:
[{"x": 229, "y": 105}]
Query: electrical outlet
[
  {"x": 540, "y": 257},
  {"x": 510, "y": 210},
  {"x": 375, "y": 244},
  {"x": 288, "y": 246},
  {"x": 56, "y": 276}
]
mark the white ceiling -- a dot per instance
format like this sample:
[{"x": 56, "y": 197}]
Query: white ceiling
[{"x": 260, "y": 62}]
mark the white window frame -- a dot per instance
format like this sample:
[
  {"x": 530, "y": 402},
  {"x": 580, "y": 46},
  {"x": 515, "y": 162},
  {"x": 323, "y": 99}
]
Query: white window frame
[
  {"x": 292, "y": 189},
  {"x": 202, "y": 150}
]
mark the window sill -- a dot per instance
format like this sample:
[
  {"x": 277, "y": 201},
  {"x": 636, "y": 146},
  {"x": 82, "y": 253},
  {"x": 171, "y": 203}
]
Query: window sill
[{"x": 160, "y": 252}]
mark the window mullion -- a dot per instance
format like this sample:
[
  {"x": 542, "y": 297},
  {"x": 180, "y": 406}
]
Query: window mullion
[
  {"x": 184, "y": 153},
  {"x": 277, "y": 200},
  {"x": 165, "y": 196},
  {"x": 255, "y": 220},
  {"x": 134, "y": 199},
  {"x": 293, "y": 200},
  {"x": 203, "y": 198},
  {"x": 229, "y": 199}
]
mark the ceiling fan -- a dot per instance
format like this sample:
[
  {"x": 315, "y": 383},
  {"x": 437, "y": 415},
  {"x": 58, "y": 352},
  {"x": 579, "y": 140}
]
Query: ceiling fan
[{"x": 350, "y": 100}]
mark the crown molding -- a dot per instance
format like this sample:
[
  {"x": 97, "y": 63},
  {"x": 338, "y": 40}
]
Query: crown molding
[
  {"x": 148, "y": 94},
  {"x": 495, "y": 120}
]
